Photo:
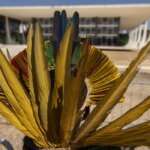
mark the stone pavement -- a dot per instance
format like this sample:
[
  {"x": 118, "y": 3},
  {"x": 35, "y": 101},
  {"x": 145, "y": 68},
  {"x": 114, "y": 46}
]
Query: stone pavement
[
  {"x": 11, "y": 134},
  {"x": 137, "y": 91}
]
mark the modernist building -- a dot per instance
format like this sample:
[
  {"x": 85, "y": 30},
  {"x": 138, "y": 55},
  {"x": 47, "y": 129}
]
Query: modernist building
[
  {"x": 100, "y": 30},
  {"x": 101, "y": 23}
]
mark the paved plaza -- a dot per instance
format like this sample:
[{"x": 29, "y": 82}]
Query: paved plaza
[{"x": 137, "y": 91}]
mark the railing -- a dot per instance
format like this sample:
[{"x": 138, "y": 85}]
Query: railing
[{"x": 139, "y": 37}]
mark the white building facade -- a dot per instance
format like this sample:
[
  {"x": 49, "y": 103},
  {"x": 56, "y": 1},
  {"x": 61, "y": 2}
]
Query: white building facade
[{"x": 102, "y": 24}]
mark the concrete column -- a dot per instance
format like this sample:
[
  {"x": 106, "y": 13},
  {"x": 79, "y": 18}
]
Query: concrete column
[
  {"x": 136, "y": 34},
  {"x": 144, "y": 34},
  {"x": 130, "y": 37},
  {"x": 140, "y": 33},
  {"x": 7, "y": 29}
]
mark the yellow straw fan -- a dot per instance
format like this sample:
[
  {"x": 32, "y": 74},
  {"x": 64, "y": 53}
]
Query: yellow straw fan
[{"x": 50, "y": 108}]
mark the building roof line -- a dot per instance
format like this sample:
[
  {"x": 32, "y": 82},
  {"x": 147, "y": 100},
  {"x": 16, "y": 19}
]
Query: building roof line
[
  {"x": 77, "y": 6},
  {"x": 130, "y": 15}
]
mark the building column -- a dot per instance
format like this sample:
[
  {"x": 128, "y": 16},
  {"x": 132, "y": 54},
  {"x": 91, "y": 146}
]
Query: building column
[
  {"x": 7, "y": 29},
  {"x": 144, "y": 38},
  {"x": 139, "y": 33}
]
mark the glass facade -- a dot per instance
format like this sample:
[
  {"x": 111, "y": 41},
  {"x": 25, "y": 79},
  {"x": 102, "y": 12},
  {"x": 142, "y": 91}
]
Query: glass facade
[
  {"x": 47, "y": 25},
  {"x": 11, "y": 31},
  {"x": 100, "y": 31},
  {"x": 2, "y": 30},
  {"x": 14, "y": 26}
]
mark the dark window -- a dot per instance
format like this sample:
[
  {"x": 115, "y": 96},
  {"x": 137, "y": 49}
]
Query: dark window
[{"x": 2, "y": 30}]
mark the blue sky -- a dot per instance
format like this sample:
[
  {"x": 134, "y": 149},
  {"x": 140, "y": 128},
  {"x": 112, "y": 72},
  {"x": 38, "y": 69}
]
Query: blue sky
[{"x": 68, "y": 2}]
